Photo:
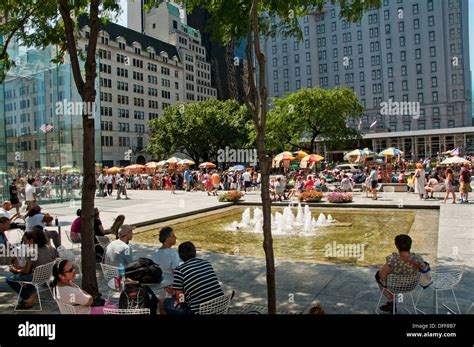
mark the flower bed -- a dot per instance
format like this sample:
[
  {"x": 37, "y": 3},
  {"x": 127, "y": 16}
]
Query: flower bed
[
  {"x": 230, "y": 196},
  {"x": 311, "y": 196},
  {"x": 339, "y": 197}
]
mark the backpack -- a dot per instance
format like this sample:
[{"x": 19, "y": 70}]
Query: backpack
[
  {"x": 144, "y": 270},
  {"x": 134, "y": 296}
]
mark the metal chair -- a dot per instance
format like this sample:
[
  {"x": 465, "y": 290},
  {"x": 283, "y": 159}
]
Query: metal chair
[
  {"x": 41, "y": 275},
  {"x": 218, "y": 305},
  {"x": 68, "y": 309},
  {"x": 68, "y": 234},
  {"x": 445, "y": 279},
  {"x": 109, "y": 272},
  {"x": 398, "y": 285},
  {"x": 104, "y": 241},
  {"x": 128, "y": 311}
]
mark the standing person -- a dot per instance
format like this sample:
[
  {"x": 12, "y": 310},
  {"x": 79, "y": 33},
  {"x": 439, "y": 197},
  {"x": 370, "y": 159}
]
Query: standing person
[
  {"x": 465, "y": 180},
  {"x": 109, "y": 181},
  {"x": 450, "y": 186},
  {"x": 30, "y": 194},
  {"x": 15, "y": 201},
  {"x": 247, "y": 177},
  {"x": 166, "y": 257},
  {"x": 101, "y": 183},
  {"x": 173, "y": 180},
  {"x": 216, "y": 181},
  {"x": 373, "y": 178},
  {"x": 420, "y": 181},
  {"x": 195, "y": 282}
]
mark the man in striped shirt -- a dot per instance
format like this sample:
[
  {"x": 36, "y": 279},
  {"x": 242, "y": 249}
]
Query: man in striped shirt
[{"x": 195, "y": 282}]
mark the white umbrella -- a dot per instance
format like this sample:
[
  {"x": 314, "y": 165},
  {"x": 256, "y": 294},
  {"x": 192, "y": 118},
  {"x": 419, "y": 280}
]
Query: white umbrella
[{"x": 454, "y": 160}]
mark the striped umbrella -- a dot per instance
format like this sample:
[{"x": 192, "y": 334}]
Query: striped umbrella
[
  {"x": 135, "y": 167},
  {"x": 312, "y": 158},
  {"x": 390, "y": 152},
  {"x": 207, "y": 165},
  {"x": 173, "y": 160},
  {"x": 162, "y": 163},
  {"x": 186, "y": 162},
  {"x": 151, "y": 165},
  {"x": 300, "y": 154},
  {"x": 284, "y": 156}
]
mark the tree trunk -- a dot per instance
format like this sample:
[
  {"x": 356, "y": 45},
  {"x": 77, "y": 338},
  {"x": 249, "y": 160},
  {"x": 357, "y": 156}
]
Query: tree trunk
[
  {"x": 261, "y": 109},
  {"x": 89, "y": 278}
]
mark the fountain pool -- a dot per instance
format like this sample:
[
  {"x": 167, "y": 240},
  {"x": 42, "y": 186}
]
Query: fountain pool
[{"x": 302, "y": 236}]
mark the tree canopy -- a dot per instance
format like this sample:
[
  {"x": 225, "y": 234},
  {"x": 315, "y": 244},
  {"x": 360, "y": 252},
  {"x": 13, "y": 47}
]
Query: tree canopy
[
  {"x": 199, "y": 129},
  {"x": 310, "y": 113}
]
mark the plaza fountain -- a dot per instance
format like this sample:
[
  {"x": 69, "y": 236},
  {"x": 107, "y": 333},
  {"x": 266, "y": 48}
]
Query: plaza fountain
[{"x": 284, "y": 224}]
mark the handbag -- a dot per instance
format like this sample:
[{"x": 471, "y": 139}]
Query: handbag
[{"x": 425, "y": 277}]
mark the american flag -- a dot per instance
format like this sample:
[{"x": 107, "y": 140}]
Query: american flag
[{"x": 46, "y": 128}]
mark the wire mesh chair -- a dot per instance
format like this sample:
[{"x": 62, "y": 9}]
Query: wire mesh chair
[
  {"x": 219, "y": 305},
  {"x": 445, "y": 279},
  {"x": 103, "y": 241},
  {"x": 68, "y": 309},
  {"x": 41, "y": 275},
  {"x": 397, "y": 285},
  {"x": 68, "y": 234},
  {"x": 109, "y": 272},
  {"x": 128, "y": 311}
]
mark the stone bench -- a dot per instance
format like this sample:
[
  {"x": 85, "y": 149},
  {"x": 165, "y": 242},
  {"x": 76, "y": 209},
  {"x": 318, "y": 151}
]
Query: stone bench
[{"x": 399, "y": 187}]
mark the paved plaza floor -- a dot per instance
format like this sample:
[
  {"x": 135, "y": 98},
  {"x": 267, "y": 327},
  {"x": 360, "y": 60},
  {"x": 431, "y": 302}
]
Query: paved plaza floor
[{"x": 341, "y": 289}]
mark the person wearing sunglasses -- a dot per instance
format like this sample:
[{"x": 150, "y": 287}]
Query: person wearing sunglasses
[{"x": 68, "y": 292}]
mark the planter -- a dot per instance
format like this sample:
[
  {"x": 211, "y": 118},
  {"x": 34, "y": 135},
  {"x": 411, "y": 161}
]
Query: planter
[{"x": 340, "y": 198}]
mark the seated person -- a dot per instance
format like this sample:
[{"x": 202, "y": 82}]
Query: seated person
[
  {"x": 279, "y": 190},
  {"x": 119, "y": 251},
  {"x": 166, "y": 257},
  {"x": 411, "y": 182},
  {"x": 346, "y": 184},
  {"x": 35, "y": 217},
  {"x": 272, "y": 189},
  {"x": 5, "y": 210},
  {"x": 432, "y": 186},
  {"x": 404, "y": 262},
  {"x": 68, "y": 292},
  {"x": 401, "y": 177},
  {"x": 76, "y": 228},
  {"x": 98, "y": 231},
  {"x": 195, "y": 282},
  {"x": 309, "y": 184},
  {"x": 25, "y": 272}
]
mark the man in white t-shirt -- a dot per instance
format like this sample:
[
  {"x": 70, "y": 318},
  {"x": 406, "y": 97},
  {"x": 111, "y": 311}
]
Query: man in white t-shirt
[
  {"x": 166, "y": 257},
  {"x": 246, "y": 176},
  {"x": 119, "y": 252},
  {"x": 30, "y": 194}
]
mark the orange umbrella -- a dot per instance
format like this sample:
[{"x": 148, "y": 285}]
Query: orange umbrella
[
  {"x": 151, "y": 165},
  {"x": 207, "y": 165},
  {"x": 300, "y": 154},
  {"x": 135, "y": 167},
  {"x": 113, "y": 170},
  {"x": 313, "y": 158}
]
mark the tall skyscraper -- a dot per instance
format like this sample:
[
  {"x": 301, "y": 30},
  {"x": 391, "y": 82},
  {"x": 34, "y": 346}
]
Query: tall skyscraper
[{"x": 404, "y": 52}]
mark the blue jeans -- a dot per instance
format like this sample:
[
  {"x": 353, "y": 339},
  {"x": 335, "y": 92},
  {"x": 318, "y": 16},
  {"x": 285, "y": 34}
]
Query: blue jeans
[
  {"x": 27, "y": 290},
  {"x": 169, "y": 307}
]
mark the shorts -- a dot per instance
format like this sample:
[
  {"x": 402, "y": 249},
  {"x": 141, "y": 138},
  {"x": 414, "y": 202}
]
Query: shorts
[
  {"x": 14, "y": 202},
  {"x": 216, "y": 185},
  {"x": 373, "y": 184},
  {"x": 170, "y": 308},
  {"x": 379, "y": 280},
  {"x": 464, "y": 188},
  {"x": 248, "y": 184}
]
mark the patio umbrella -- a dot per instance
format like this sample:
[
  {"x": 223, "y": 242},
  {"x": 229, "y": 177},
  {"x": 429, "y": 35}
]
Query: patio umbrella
[
  {"x": 454, "y": 160},
  {"x": 390, "y": 152},
  {"x": 238, "y": 168},
  {"x": 113, "y": 170},
  {"x": 312, "y": 158},
  {"x": 135, "y": 167},
  {"x": 151, "y": 165},
  {"x": 186, "y": 162},
  {"x": 207, "y": 165},
  {"x": 300, "y": 154},
  {"x": 162, "y": 163},
  {"x": 173, "y": 160},
  {"x": 284, "y": 156}
]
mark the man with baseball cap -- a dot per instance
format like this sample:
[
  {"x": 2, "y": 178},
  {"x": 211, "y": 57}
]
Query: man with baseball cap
[{"x": 119, "y": 251}]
